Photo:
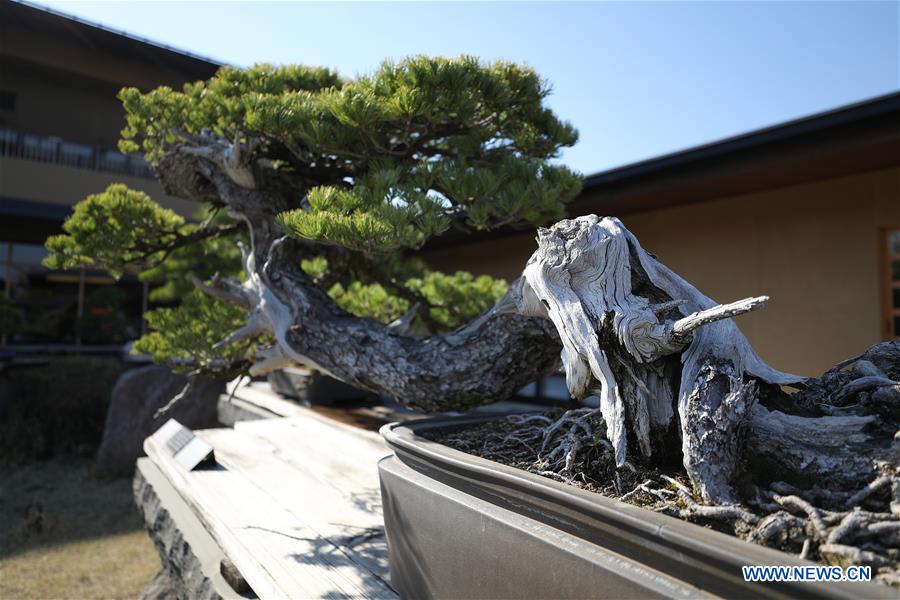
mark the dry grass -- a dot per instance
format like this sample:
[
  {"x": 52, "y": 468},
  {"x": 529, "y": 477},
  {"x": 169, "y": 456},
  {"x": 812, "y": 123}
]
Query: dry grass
[
  {"x": 116, "y": 566},
  {"x": 65, "y": 534}
]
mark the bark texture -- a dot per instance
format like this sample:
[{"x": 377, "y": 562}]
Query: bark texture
[
  {"x": 676, "y": 378},
  {"x": 487, "y": 360}
]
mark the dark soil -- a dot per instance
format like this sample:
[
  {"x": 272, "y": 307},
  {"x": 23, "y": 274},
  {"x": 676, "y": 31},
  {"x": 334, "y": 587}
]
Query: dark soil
[
  {"x": 519, "y": 446},
  {"x": 782, "y": 525}
]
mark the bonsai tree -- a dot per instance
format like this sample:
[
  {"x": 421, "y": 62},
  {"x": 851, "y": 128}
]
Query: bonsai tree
[
  {"x": 325, "y": 186},
  {"x": 331, "y": 183}
]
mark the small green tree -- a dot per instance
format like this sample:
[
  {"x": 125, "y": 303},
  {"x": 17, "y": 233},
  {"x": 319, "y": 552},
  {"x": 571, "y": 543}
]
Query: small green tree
[
  {"x": 353, "y": 174},
  {"x": 12, "y": 318}
]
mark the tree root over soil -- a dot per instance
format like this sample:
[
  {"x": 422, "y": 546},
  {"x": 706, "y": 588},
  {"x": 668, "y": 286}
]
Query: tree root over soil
[{"x": 817, "y": 524}]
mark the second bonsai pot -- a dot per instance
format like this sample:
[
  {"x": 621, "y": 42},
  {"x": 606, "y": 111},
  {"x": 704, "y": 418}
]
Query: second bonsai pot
[{"x": 310, "y": 387}]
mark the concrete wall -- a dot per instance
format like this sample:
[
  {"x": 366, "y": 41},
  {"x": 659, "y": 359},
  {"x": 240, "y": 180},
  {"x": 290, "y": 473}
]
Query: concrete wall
[{"x": 814, "y": 248}]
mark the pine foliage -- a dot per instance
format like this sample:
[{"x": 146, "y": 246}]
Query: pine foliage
[
  {"x": 378, "y": 165},
  {"x": 173, "y": 278},
  {"x": 118, "y": 230},
  {"x": 448, "y": 301},
  {"x": 456, "y": 299},
  {"x": 388, "y": 159},
  {"x": 184, "y": 336}
]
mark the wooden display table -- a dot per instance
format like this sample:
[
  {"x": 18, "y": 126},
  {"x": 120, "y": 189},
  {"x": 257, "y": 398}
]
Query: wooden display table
[{"x": 292, "y": 502}]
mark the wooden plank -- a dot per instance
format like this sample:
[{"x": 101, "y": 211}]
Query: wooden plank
[
  {"x": 295, "y": 502},
  {"x": 262, "y": 395},
  {"x": 336, "y": 494},
  {"x": 267, "y": 514},
  {"x": 338, "y": 460},
  {"x": 325, "y": 425}
]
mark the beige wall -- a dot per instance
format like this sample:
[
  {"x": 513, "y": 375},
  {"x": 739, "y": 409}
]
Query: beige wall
[
  {"x": 56, "y": 184},
  {"x": 813, "y": 248}
]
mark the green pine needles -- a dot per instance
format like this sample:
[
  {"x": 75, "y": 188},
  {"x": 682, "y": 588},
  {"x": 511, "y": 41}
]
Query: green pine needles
[
  {"x": 389, "y": 159},
  {"x": 119, "y": 230},
  {"x": 376, "y": 166}
]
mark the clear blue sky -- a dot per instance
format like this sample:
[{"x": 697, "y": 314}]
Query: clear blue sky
[{"x": 638, "y": 79}]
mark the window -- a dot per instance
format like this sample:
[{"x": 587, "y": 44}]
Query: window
[{"x": 890, "y": 248}]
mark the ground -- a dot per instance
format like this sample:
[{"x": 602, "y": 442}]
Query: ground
[{"x": 67, "y": 534}]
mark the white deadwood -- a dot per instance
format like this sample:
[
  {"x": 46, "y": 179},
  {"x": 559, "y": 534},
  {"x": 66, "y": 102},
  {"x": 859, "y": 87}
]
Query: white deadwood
[
  {"x": 226, "y": 155},
  {"x": 619, "y": 312}
]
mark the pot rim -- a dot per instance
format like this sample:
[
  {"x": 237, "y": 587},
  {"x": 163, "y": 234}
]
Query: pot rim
[{"x": 699, "y": 551}]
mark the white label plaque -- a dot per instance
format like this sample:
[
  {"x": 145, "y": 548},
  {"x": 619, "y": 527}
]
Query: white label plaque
[{"x": 186, "y": 448}]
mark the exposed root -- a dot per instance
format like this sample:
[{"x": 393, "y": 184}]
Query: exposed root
[
  {"x": 579, "y": 432},
  {"x": 567, "y": 447},
  {"x": 797, "y": 503},
  {"x": 724, "y": 512},
  {"x": 851, "y": 555},
  {"x": 807, "y": 546},
  {"x": 621, "y": 315},
  {"x": 870, "y": 489}
]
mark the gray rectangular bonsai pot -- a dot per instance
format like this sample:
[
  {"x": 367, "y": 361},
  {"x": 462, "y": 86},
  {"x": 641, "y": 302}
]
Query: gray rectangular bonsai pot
[{"x": 459, "y": 526}]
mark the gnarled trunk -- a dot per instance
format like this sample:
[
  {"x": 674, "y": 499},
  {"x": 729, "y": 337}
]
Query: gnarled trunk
[{"x": 670, "y": 366}]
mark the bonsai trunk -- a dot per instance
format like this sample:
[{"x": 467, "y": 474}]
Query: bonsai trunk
[{"x": 669, "y": 365}]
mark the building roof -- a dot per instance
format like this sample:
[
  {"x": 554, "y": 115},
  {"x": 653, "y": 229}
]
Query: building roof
[
  {"x": 92, "y": 49},
  {"x": 851, "y": 139}
]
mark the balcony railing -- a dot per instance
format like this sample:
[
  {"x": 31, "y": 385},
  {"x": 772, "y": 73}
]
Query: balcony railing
[{"x": 51, "y": 149}]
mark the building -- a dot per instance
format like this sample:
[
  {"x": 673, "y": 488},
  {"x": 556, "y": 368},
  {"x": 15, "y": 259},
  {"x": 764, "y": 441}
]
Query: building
[
  {"x": 59, "y": 126},
  {"x": 807, "y": 212}
]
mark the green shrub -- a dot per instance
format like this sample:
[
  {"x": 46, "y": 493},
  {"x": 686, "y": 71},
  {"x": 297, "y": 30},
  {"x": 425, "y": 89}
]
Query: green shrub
[
  {"x": 56, "y": 409},
  {"x": 12, "y": 319}
]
